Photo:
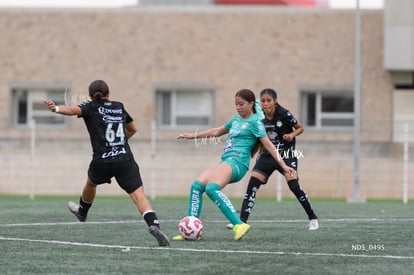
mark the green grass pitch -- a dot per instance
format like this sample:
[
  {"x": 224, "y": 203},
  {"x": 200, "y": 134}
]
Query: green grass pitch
[{"x": 40, "y": 236}]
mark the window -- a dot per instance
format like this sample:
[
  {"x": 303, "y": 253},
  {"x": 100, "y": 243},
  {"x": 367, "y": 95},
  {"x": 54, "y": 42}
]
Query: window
[
  {"x": 27, "y": 105},
  {"x": 327, "y": 109},
  {"x": 184, "y": 107}
]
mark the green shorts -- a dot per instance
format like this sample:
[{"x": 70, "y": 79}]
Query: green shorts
[{"x": 238, "y": 170}]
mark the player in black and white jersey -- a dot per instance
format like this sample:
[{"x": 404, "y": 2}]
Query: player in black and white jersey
[
  {"x": 110, "y": 126},
  {"x": 282, "y": 128}
]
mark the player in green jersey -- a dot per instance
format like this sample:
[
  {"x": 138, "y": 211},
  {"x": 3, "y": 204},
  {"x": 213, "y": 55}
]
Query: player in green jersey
[
  {"x": 282, "y": 128},
  {"x": 244, "y": 131}
]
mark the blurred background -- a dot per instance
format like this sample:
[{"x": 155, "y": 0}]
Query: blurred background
[{"x": 177, "y": 64}]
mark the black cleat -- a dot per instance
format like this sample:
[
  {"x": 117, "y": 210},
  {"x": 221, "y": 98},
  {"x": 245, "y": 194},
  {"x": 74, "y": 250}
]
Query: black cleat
[
  {"x": 159, "y": 235},
  {"x": 73, "y": 207}
]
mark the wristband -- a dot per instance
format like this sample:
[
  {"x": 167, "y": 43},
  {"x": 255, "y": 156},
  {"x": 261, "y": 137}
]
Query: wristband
[{"x": 57, "y": 109}]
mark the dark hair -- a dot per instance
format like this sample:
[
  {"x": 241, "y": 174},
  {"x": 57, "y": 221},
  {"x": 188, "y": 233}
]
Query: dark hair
[
  {"x": 247, "y": 95},
  {"x": 270, "y": 92},
  {"x": 98, "y": 89}
]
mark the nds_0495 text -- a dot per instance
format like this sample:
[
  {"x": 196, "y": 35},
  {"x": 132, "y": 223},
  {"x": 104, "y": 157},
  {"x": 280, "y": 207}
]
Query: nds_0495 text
[{"x": 368, "y": 247}]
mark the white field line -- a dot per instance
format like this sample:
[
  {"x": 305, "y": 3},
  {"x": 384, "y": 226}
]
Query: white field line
[
  {"x": 128, "y": 248},
  {"x": 348, "y": 220}
]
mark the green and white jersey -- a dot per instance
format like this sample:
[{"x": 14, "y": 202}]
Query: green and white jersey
[{"x": 243, "y": 135}]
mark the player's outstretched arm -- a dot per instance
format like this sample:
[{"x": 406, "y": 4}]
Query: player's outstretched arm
[
  {"x": 213, "y": 132},
  {"x": 63, "y": 109}
]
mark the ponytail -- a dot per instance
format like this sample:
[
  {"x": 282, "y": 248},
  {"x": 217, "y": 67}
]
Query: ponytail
[
  {"x": 98, "y": 89},
  {"x": 97, "y": 96}
]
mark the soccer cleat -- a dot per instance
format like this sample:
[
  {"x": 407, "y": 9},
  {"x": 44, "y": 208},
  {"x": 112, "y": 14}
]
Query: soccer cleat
[
  {"x": 74, "y": 208},
  {"x": 239, "y": 230},
  {"x": 229, "y": 226},
  {"x": 313, "y": 224},
  {"x": 159, "y": 235},
  {"x": 181, "y": 238},
  {"x": 178, "y": 238}
]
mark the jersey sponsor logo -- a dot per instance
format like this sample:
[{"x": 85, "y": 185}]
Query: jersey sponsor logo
[
  {"x": 103, "y": 111},
  {"x": 229, "y": 145},
  {"x": 234, "y": 129},
  {"x": 109, "y": 118},
  {"x": 110, "y": 115},
  {"x": 234, "y": 132},
  {"x": 114, "y": 152}
]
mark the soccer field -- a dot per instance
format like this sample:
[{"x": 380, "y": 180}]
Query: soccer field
[{"x": 40, "y": 236}]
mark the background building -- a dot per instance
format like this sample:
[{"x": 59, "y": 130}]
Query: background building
[{"x": 178, "y": 68}]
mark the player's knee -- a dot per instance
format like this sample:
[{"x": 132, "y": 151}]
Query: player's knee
[
  {"x": 199, "y": 186},
  {"x": 258, "y": 177},
  {"x": 294, "y": 185},
  {"x": 211, "y": 188}
]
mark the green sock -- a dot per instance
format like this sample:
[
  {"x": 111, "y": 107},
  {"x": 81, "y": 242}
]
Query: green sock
[
  {"x": 195, "y": 203},
  {"x": 223, "y": 202}
]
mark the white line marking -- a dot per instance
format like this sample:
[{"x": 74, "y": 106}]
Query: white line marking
[
  {"x": 210, "y": 221},
  {"x": 128, "y": 248},
  {"x": 66, "y": 223}
]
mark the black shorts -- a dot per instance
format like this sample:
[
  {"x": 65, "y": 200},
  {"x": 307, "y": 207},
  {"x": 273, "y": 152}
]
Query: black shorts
[
  {"x": 266, "y": 165},
  {"x": 126, "y": 174}
]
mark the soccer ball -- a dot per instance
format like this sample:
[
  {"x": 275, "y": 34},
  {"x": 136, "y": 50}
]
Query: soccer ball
[{"x": 190, "y": 228}]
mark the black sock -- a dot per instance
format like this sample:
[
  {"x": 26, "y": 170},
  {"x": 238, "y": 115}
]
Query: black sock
[
  {"x": 151, "y": 219},
  {"x": 249, "y": 198},
  {"x": 84, "y": 207},
  {"x": 302, "y": 198}
]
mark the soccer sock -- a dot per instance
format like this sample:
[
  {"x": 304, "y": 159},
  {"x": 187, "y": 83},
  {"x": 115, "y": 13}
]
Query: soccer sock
[
  {"x": 195, "y": 203},
  {"x": 223, "y": 202},
  {"x": 249, "y": 198},
  {"x": 151, "y": 218},
  {"x": 84, "y": 207},
  {"x": 302, "y": 197}
]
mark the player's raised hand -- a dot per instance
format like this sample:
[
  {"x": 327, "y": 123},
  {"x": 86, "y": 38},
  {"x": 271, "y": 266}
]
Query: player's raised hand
[
  {"x": 290, "y": 172},
  {"x": 50, "y": 104}
]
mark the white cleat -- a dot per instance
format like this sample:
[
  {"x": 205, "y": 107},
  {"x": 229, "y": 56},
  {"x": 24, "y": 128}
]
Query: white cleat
[
  {"x": 229, "y": 226},
  {"x": 313, "y": 224}
]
